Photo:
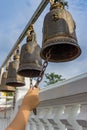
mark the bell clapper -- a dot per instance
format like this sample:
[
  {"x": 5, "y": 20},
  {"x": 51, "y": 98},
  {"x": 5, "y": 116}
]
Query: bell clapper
[
  {"x": 5, "y": 108},
  {"x": 14, "y": 99},
  {"x": 40, "y": 77},
  {"x": 31, "y": 85},
  {"x": 45, "y": 64}
]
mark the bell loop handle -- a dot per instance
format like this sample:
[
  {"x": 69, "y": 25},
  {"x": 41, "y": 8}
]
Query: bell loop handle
[
  {"x": 29, "y": 33},
  {"x": 17, "y": 51},
  {"x": 31, "y": 28},
  {"x": 16, "y": 54},
  {"x": 51, "y": 2},
  {"x": 58, "y": 4},
  {"x": 55, "y": 1},
  {"x": 32, "y": 37}
]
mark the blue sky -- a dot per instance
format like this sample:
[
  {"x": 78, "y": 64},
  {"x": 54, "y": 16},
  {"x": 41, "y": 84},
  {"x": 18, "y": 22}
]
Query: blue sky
[{"x": 15, "y": 14}]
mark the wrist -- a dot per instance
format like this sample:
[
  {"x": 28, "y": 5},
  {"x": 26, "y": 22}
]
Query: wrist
[{"x": 25, "y": 107}]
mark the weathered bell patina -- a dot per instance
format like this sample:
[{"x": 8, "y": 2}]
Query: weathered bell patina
[
  {"x": 59, "y": 35},
  {"x": 13, "y": 79},
  {"x": 3, "y": 86},
  {"x": 30, "y": 60}
]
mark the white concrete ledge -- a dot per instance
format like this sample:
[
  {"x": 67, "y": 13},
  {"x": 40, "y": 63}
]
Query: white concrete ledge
[{"x": 70, "y": 87}]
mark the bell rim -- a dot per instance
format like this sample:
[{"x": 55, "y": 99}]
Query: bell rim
[
  {"x": 10, "y": 89},
  {"x": 28, "y": 67},
  {"x": 15, "y": 83},
  {"x": 7, "y": 90},
  {"x": 62, "y": 42}
]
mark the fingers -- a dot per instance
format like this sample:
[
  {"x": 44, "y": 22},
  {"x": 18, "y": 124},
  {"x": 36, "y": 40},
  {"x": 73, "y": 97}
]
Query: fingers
[{"x": 35, "y": 90}]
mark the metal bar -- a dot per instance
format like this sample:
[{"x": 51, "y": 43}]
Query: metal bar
[{"x": 33, "y": 19}]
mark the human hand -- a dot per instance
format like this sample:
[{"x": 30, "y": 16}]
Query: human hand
[{"x": 31, "y": 99}]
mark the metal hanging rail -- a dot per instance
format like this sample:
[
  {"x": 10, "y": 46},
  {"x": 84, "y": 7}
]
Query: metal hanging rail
[{"x": 33, "y": 19}]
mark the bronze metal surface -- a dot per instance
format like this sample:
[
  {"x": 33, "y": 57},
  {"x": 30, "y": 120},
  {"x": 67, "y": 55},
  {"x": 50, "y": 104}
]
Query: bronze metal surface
[
  {"x": 59, "y": 36},
  {"x": 4, "y": 87},
  {"x": 30, "y": 60}
]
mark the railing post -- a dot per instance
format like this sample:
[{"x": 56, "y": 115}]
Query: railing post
[
  {"x": 72, "y": 117},
  {"x": 53, "y": 117},
  {"x": 35, "y": 119},
  {"x": 82, "y": 116},
  {"x": 43, "y": 117}
]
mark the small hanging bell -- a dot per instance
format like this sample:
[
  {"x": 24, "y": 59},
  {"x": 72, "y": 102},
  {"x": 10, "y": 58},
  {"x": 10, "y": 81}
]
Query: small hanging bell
[
  {"x": 59, "y": 35},
  {"x": 30, "y": 60},
  {"x": 4, "y": 87},
  {"x": 13, "y": 79}
]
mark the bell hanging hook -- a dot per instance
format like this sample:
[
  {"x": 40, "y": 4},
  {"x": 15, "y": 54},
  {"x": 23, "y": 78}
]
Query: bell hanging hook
[
  {"x": 54, "y": 1},
  {"x": 30, "y": 29},
  {"x": 62, "y": 2},
  {"x": 16, "y": 53},
  {"x": 31, "y": 35}
]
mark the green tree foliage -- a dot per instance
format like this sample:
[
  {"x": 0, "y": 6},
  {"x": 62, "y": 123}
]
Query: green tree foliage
[
  {"x": 52, "y": 78},
  {"x": 9, "y": 94}
]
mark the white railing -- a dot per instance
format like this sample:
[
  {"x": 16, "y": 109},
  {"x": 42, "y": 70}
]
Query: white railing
[
  {"x": 63, "y": 106},
  {"x": 63, "y": 117}
]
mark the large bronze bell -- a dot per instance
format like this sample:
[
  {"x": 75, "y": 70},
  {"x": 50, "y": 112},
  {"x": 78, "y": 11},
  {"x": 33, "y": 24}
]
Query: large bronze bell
[
  {"x": 59, "y": 37},
  {"x": 13, "y": 79},
  {"x": 3, "y": 86},
  {"x": 30, "y": 60}
]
